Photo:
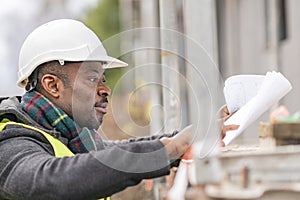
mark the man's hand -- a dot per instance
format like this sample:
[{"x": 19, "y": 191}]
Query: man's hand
[
  {"x": 225, "y": 129},
  {"x": 224, "y": 115},
  {"x": 177, "y": 145}
]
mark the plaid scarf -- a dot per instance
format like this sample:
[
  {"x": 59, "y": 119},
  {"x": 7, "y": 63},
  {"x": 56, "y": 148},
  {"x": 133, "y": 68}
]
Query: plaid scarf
[{"x": 48, "y": 115}]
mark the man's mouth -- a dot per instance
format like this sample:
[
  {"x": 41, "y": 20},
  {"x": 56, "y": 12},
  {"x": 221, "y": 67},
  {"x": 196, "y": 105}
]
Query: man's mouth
[{"x": 101, "y": 107}]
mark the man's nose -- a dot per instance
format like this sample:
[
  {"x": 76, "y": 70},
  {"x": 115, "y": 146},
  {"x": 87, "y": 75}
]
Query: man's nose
[{"x": 104, "y": 90}]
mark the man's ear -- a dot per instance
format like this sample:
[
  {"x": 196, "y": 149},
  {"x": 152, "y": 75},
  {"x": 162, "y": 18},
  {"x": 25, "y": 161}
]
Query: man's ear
[{"x": 52, "y": 85}]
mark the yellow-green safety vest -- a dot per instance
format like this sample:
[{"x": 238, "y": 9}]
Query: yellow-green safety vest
[{"x": 60, "y": 150}]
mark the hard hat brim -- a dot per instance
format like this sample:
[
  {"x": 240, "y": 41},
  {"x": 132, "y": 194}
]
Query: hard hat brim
[
  {"x": 82, "y": 55},
  {"x": 113, "y": 63}
]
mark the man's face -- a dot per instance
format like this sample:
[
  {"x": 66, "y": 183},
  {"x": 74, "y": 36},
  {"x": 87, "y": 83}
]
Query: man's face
[{"x": 86, "y": 100}]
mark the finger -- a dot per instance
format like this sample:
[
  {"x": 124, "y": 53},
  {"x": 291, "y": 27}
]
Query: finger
[
  {"x": 226, "y": 111},
  {"x": 231, "y": 127},
  {"x": 228, "y": 128},
  {"x": 223, "y": 112},
  {"x": 222, "y": 144},
  {"x": 223, "y": 134},
  {"x": 229, "y": 115}
]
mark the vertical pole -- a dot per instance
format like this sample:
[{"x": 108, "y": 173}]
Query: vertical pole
[
  {"x": 202, "y": 73},
  {"x": 127, "y": 40},
  {"x": 169, "y": 62},
  {"x": 273, "y": 36},
  {"x": 149, "y": 60},
  {"x": 273, "y": 33}
]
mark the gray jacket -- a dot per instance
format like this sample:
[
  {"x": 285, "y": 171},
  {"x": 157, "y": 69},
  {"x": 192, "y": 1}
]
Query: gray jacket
[{"x": 29, "y": 169}]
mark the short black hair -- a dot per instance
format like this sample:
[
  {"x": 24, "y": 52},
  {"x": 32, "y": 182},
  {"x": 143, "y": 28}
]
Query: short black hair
[{"x": 51, "y": 67}]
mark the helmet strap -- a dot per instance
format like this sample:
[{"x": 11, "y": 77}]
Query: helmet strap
[{"x": 32, "y": 81}]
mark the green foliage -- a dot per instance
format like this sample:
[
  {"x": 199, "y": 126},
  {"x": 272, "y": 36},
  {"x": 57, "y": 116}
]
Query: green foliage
[
  {"x": 105, "y": 22},
  {"x": 104, "y": 19}
]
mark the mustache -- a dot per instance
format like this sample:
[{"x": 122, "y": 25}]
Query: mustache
[{"x": 102, "y": 103}]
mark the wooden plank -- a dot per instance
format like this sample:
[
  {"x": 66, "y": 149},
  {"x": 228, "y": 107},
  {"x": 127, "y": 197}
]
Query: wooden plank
[{"x": 281, "y": 133}]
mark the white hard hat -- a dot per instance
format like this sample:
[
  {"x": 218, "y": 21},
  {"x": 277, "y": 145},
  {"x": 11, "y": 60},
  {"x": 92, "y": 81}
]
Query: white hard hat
[{"x": 62, "y": 40}]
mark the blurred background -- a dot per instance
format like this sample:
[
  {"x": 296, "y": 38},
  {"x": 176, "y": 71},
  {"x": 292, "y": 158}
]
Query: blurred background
[{"x": 179, "y": 54}]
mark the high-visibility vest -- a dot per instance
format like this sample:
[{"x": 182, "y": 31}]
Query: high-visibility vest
[{"x": 60, "y": 150}]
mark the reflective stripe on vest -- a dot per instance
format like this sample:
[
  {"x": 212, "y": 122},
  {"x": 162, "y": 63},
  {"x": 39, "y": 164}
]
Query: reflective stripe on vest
[{"x": 60, "y": 150}]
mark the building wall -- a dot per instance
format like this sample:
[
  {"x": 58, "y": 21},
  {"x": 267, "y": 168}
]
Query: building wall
[
  {"x": 246, "y": 40},
  {"x": 290, "y": 54}
]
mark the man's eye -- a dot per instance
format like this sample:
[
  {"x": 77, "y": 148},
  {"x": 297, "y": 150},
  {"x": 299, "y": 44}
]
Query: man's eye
[{"x": 93, "y": 80}]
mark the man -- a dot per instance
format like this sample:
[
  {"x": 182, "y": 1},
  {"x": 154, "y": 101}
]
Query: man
[{"x": 49, "y": 146}]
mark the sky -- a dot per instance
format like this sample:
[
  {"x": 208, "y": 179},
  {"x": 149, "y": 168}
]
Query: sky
[{"x": 18, "y": 18}]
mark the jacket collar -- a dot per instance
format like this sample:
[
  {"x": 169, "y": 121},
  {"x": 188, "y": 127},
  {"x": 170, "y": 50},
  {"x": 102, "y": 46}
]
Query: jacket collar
[{"x": 10, "y": 108}]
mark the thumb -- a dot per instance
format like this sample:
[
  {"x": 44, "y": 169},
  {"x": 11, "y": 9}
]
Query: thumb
[{"x": 185, "y": 134}]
